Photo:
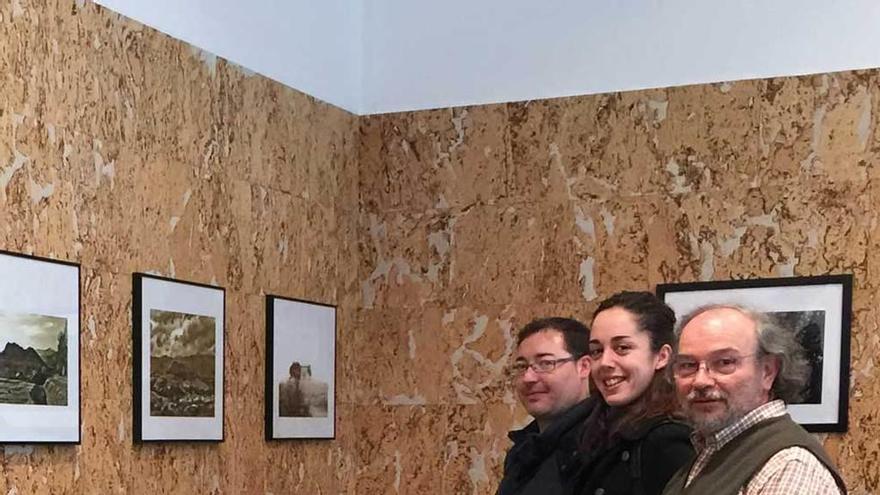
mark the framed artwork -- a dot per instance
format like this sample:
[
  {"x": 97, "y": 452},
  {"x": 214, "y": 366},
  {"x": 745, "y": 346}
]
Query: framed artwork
[
  {"x": 177, "y": 360},
  {"x": 39, "y": 350},
  {"x": 817, "y": 309},
  {"x": 300, "y": 369}
]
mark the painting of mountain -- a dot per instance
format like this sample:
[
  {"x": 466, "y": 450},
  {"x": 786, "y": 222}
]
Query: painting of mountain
[
  {"x": 182, "y": 364},
  {"x": 33, "y": 362}
]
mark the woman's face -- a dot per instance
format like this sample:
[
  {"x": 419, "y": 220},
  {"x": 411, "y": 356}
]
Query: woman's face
[{"x": 623, "y": 363}]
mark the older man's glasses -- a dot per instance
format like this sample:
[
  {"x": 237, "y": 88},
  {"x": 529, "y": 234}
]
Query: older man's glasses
[
  {"x": 685, "y": 367},
  {"x": 542, "y": 365}
]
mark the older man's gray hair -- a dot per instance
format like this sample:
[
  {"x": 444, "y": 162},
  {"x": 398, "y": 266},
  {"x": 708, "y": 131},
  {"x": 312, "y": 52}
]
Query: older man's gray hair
[{"x": 773, "y": 340}]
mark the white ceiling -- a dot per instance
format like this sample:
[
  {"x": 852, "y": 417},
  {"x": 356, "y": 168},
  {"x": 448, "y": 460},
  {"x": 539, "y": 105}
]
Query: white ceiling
[{"x": 394, "y": 55}]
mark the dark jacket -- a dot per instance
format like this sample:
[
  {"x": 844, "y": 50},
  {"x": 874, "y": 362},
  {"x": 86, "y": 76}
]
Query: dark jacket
[
  {"x": 546, "y": 462},
  {"x": 638, "y": 461}
]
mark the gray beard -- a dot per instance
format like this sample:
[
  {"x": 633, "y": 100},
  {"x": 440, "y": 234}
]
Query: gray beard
[{"x": 712, "y": 426}]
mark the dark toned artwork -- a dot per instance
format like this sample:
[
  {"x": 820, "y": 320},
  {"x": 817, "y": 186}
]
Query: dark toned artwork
[
  {"x": 300, "y": 395},
  {"x": 33, "y": 362},
  {"x": 809, "y": 328},
  {"x": 182, "y": 363}
]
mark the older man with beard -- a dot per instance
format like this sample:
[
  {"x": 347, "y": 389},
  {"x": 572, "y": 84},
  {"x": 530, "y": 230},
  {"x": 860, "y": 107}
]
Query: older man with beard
[{"x": 734, "y": 371}]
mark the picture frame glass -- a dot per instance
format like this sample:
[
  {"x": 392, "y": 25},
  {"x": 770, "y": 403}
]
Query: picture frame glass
[
  {"x": 179, "y": 338},
  {"x": 39, "y": 350},
  {"x": 818, "y": 313},
  {"x": 301, "y": 359}
]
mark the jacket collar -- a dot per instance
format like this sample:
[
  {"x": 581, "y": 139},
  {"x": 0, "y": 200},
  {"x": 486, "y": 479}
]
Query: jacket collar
[{"x": 558, "y": 427}]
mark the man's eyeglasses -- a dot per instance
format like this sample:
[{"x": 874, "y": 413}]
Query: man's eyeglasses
[
  {"x": 540, "y": 366},
  {"x": 722, "y": 365}
]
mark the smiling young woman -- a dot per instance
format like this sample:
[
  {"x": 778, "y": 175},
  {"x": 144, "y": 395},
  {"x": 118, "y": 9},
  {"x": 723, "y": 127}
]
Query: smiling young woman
[{"x": 633, "y": 441}]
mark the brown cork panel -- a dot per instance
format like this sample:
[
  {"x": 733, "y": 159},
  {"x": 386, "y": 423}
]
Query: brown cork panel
[
  {"x": 476, "y": 441},
  {"x": 450, "y": 157},
  {"x": 399, "y": 449}
]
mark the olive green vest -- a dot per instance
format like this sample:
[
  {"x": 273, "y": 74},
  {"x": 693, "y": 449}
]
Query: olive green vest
[{"x": 731, "y": 468}]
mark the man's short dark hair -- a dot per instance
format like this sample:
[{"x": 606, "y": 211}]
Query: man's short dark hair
[
  {"x": 575, "y": 334},
  {"x": 294, "y": 366}
]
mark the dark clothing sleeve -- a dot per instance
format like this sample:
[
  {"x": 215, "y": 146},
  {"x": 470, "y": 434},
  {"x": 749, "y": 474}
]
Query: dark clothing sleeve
[{"x": 665, "y": 450}]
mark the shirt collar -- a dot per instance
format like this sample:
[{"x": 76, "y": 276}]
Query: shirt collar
[{"x": 563, "y": 423}]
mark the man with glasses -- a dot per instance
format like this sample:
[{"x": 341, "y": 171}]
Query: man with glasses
[
  {"x": 551, "y": 375},
  {"x": 734, "y": 372}
]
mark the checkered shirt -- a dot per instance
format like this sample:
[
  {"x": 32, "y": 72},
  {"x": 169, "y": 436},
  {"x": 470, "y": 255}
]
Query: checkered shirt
[{"x": 789, "y": 471}]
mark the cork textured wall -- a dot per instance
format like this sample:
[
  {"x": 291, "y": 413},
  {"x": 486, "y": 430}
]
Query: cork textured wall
[
  {"x": 437, "y": 233},
  {"x": 475, "y": 220},
  {"x": 125, "y": 150}
]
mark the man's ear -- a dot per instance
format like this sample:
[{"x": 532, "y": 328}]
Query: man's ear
[
  {"x": 770, "y": 366},
  {"x": 583, "y": 366}
]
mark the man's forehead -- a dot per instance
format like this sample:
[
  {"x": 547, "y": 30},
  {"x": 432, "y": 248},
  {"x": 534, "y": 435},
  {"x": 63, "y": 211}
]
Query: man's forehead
[
  {"x": 719, "y": 328},
  {"x": 545, "y": 342}
]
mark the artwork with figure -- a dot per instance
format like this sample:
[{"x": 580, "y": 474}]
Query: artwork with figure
[
  {"x": 300, "y": 395},
  {"x": 33, "y": 362},
  {"x": 809, "y": 327},
  {"x": 182, "y": 364},
  {"x": 300, "y": 369}
]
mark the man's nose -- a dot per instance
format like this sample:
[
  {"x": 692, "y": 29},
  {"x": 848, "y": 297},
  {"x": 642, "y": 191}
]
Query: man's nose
[
  {"x": 703, "y": 378},
  {"x": 529, "y": 375}
]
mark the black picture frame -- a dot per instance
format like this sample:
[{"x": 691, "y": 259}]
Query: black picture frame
[
  {"x": 172, "y": 323},
  {"x": 819, "y": 308},
  {"x": 40, "y": 305},
  {"x": 300, "y": 335}
]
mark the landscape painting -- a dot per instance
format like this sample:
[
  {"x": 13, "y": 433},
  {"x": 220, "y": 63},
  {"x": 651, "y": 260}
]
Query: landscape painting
[
  {"x": 181, "y": 364},
  {"x": 178, "y": 335},
  {"x": 33, "y": 362},
  {"x": 39, "y": 350}
]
